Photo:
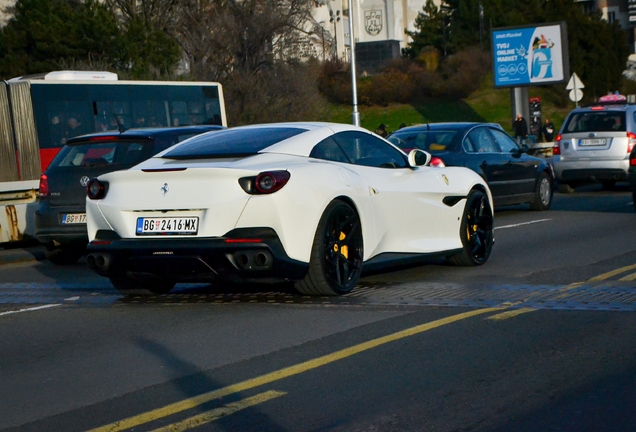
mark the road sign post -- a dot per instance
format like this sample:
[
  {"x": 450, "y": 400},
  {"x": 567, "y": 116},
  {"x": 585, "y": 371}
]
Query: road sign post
[{"x": 575, "y": 85}]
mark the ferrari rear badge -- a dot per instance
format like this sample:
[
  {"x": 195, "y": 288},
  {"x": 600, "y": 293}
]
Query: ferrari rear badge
[{"x": 164, "y": 189}]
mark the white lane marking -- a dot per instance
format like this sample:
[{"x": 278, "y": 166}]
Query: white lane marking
[
  {"x": 524, "y": 223},
  {"x": 30, "y": 309}
]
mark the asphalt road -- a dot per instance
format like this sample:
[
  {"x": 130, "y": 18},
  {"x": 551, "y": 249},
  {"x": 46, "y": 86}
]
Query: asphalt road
[{"x": 539, "y": 338}]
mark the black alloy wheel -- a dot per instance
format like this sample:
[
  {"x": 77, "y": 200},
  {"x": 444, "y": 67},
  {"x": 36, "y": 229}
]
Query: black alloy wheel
[
  {"x": 476, "y": 231},
  {"x": 335, "y": 264}
]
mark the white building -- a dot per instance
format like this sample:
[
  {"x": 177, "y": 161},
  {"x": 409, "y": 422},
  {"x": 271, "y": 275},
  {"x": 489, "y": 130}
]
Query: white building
[{"x": 378, "y": 27}]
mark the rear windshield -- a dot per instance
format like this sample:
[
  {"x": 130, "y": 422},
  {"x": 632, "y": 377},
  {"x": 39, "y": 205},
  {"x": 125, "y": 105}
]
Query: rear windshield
[
  {"x": 232, "y": 142},
  {"x": 596, "y": 121},
  {"x": 104, "y": 153},
  {"x": 431, "y": 141}
]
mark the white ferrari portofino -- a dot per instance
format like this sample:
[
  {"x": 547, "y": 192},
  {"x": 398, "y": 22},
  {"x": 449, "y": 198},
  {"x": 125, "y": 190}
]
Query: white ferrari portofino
[{"x": 310, "y": 203}]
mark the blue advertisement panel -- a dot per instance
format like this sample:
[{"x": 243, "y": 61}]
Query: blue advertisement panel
[{"x": 535, "y": 55}]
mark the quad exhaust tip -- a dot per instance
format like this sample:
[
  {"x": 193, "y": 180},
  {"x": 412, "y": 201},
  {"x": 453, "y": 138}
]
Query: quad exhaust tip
[
  {"x": 253, "y": 260},
  {"x": 99, "y": 261}
]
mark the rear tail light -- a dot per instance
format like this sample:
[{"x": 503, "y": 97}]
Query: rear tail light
[
  {"x": 265, "y": 183},
  {"x": 556, "y": 150},
  {"x": 632, "y": 160},
  {"x": 437, "y": 162},
  {"x": 631, "y": 141},
  {"x": 96, "y": 189},
  {"x": 44, "y": 186}
]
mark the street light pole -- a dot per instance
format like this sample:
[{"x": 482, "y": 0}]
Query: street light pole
[{"x": 356, "y": 114}]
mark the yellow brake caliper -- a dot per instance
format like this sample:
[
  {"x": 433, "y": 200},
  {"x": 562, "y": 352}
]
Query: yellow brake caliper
[{"x": 344, "y": 250}]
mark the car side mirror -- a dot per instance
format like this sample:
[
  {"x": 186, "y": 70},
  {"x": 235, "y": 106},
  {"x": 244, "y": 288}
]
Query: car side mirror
[
  {"x": 524, "y": 148},
  {"x": 419, "y": 157}
]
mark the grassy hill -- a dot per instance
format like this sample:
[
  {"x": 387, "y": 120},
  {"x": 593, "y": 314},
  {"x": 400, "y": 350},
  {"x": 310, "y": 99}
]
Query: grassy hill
[{"x": 485, "y": 105}]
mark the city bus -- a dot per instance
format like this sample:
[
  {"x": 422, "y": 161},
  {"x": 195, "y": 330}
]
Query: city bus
[{"x": 38, "y": 113}]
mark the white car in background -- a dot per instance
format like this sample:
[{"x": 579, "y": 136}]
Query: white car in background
[{"x": 309, "y": 203}]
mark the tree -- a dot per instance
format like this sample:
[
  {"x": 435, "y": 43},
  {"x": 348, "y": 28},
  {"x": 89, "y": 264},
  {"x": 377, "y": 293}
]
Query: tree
[
  {"x": 45, "y": 35},
  {"x": 430, "y": 24},
  {"x": 149, "y": 48},
  {"x": 42, "y": 34}
]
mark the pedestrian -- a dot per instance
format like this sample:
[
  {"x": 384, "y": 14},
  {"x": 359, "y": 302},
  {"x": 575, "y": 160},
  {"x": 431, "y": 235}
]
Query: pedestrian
[
  {"x": 381, "y": 130},
  {"x": 535, "y": 130},
  {"x": 548, "y": 131},
  {"x": 520, "y": 128}
]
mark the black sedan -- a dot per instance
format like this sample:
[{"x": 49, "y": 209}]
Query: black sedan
[{"x": 514, "y": 177}]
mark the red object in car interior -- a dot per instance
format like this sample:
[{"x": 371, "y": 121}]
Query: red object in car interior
[{"x": 437, "y": 162}]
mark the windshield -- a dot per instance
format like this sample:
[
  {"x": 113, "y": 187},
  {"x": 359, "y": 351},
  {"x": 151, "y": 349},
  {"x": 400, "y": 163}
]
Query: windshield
[
  {"x": 232, "y": 143},
  {"x": 596, "y": 121},
  {"x": 433, "y": 141},
  {"x": 105, "y": 153}
]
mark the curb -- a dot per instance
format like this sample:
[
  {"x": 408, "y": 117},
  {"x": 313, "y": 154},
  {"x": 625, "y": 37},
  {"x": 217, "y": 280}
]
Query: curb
[{"x": 18, "y": 255}]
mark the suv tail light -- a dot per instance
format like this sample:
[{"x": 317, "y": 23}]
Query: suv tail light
[
  {"x": 631, "y": 141},
  {"x": 44, "y": 186},
  {"x": 556, "y": 150},
  {"x": 632, "y": 160}
]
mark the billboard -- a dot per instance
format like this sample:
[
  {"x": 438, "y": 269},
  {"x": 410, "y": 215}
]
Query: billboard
[{"x": 530, "y": 55}]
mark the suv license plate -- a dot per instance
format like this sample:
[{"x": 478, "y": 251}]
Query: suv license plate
[
  {"x": 593, "y": 142},
  {"x": 74, "y": 218},
  {"x": 168, "y": 226}
]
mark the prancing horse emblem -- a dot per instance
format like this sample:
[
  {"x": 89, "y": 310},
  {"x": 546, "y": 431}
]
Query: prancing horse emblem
[
  {"x": 164, "y": 189},
  {"x": 445, "y": 178}
]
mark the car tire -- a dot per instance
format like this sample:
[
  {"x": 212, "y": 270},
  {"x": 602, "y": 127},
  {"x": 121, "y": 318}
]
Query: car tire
[
  {"x": 64, "y": 255},
  {"x": 129, "y": 287},
  {"x": 565, "y": 188},
  {"x": 336, "y": 257},
  {"x": 543, "y": 195},
  {"x": 476, "y": 231}
]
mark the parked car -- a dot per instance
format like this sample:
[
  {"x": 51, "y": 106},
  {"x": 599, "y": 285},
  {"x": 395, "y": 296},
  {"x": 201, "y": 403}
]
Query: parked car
[
  {"x": 310, "y": 203},
  {"x": 514, "y": 177},
  {"x": 60, "y": 218},
  {"x": 594, "y": 144}
]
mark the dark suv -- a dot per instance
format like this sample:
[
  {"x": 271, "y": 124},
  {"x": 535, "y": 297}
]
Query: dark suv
[{"x": 60, "y": 219}]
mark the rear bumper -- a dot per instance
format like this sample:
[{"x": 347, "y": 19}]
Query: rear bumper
[
  {"x": 235, "y": 257},
  {"x": 586, "y": 171},
  {"x": 49, "y": 227}
]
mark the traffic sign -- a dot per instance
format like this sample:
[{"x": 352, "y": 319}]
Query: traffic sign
[
  {"x": 575, "y": 82},
  {"x": 576, "y": 95}
]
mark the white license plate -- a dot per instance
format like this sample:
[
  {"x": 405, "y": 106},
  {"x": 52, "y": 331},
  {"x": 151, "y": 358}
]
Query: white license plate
[
  {"x": 168, "y": 226},
  {"x": 593, "y": 142},
  {"x": 74, "y": 218}
]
